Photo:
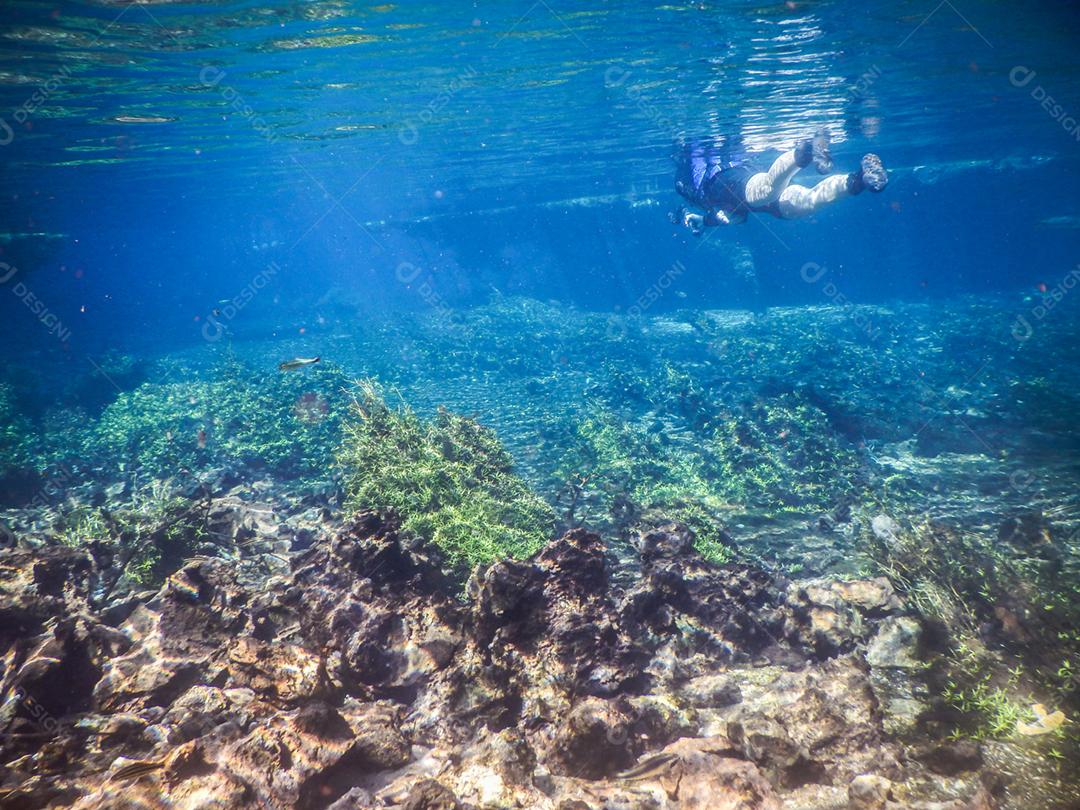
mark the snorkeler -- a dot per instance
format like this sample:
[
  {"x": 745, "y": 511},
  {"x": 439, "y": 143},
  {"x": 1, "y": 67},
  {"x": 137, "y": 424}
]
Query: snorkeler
[{"x": 727, "y": 187}]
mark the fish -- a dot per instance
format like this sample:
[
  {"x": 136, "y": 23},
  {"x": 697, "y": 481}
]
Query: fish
[
  {"x": 652, "y": 767},
  {"x": 1044, "y": 723},
  {"x": 200, "y": 439},
  {"x": 136, "y": 769},
  {"x": 143, "y": 119},
  {"x": 1066, "y": 222},
  {"x": 297, "y": 362}
]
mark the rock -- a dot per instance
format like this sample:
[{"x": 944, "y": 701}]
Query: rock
[
  {"x": 868, "y": 792},
  {"x": 896, "y": 644},
  {"x": 1032, "y": 534},
  {"x": 821, "y": 726},
  {"x": 830, "y": 617},
  {"x": 954, "y": 758},
  {"x": 427, "y": 794},
  {"x": 343, "y": 670},
  {"x": 559, "y": 615},
  {"x": 875, "y": 598},
  {"x": 712, "y": 691},
  {"x": 885, "y": 529},
  {"x": 896, "y": 674},
  {"x": 354, "y": 799},
  {"x": 709, "y": 779},
  {"x": 593, "y": 742},
  {"x": 660, "y": 719},
  {"x": 733, "y": 607}
]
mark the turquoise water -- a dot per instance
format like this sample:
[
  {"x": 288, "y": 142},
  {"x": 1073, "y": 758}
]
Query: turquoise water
[
  {"x": 468, "y": 204},
  {"x": 162, "y": 155}
]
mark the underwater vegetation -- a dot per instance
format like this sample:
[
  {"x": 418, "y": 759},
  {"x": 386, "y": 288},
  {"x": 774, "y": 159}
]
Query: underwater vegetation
[
  {"x": 448, "y": 480},
  {"x": 138, "y": 545},
  {"x": 1008, "y": 609},
  {"x": 16, "y": 439},
  {"x": 288, "y": 424},
  {"x": 639, "y": 472},
  {"x": 777, "y": 439}
]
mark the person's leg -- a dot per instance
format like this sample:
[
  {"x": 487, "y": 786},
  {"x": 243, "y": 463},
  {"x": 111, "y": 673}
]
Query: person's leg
[
  {"x": 766, "y": 187},
  {"x": 798, "y": 201}
]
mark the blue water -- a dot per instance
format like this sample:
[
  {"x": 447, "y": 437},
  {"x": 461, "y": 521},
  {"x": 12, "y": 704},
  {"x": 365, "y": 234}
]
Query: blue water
[
  {"x": 471, "y": 203},
  {"x": 174, "y": 150},
  {"x": 468, "y": 203}
]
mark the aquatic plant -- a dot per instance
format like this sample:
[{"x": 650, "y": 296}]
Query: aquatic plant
[
  {"x": 698, "y": 467},
  {"x": 448, "y": 480},
  {"x": 145, "y": 539},
  {"x": 984, "y": 693},
  {"x": 1013, "y": 589},
  {"x": 14, "y": 430},
  {"x": 19, "y": 448},
  {"x": 285, "y": 423}
]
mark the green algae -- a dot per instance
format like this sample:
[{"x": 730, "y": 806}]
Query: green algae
[
  {"x": 14, "y": 431},
  {"x": 287, "y": 424},
  {"x": 633, "y": 473},
  {"x": 448, "y": 480},
  {"x": 147, "y": 539},
  {"x": 1020, "y": 590}
]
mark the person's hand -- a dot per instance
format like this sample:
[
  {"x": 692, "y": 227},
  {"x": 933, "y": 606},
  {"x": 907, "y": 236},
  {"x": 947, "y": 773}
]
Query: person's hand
[{"x": 695, "y": 222}]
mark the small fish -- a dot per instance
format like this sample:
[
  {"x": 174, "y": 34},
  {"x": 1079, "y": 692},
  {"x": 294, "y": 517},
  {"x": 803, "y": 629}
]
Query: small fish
[
  {"x": 652, "y": 767},
  {"x": 200, "y": 439},
  {"x": 142, "y": 119},
  {"x": 1041, "y": 286},
  {"x": 1062, "y": 222},
  {"x": 1044, "y": 723},
  {"x": 134, "y": 770},
  {"x": 297, "y": 362}
]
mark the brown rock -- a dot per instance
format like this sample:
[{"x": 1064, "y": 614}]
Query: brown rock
[
  {"x": 830, "y": 617},
  {"x": 953, "y": 758},
  {"x": 427, "y": 794},
  {"x": 821, "y": 726},
  {"x": 868, "y": 792},
  {"x": 709, "y": 779}
]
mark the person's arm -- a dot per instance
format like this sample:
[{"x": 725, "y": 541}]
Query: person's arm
[
  {"x": 697, "y": 223},
  {"x": 688, "y": 219}
]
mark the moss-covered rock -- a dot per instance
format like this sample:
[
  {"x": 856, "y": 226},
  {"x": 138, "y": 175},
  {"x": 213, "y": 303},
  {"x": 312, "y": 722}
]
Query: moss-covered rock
[
  {"x": 141, "y": 542},
  {"x": 1005, "y": 612}
]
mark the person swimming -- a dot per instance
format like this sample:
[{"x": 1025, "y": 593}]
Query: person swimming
[{"x": 722, "y": 181}]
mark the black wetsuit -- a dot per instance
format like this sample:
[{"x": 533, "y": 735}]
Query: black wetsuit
[{"x": 717, "y": 182}]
